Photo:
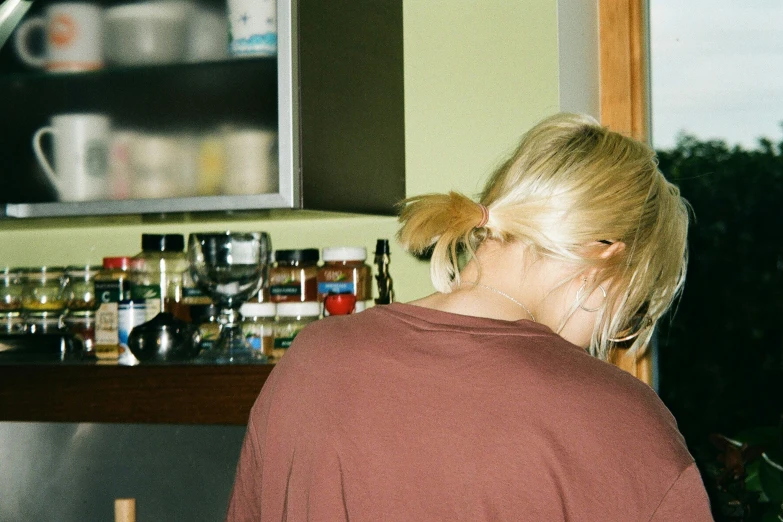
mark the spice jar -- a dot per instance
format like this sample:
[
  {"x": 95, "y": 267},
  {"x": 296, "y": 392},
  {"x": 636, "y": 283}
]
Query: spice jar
[
  {"x": 11, "y": 287},
  {"x": 207, "y": 321},
  {"x": 43, "y": 294},
  {"x": 81, "y": 324},
  {"x": 294, "y": 276},
  {"x": 345, "y": 272},
  {"x": 80, "y": 288},
  {"x": 157, "y": 271},
  {"x": 258, "y": 323},
  {"x": 112, "y": 285},
  {"x": 44, "y": 323},
  {"x": 292, "y": 317}
]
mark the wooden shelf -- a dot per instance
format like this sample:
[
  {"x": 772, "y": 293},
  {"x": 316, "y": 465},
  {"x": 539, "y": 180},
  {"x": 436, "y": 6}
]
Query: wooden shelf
[{"x": 164, "y": 394}]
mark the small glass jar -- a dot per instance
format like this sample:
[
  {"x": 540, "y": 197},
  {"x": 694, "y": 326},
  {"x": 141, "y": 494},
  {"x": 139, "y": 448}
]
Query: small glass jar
[
  {"x": 11, "y": 289},
  {"x": 80, "y": 288},
  {"x": 258, "y": 327},
  {"x": 345, "y": 272},
  {"x": 81, "y": 324},
  {"x": 291, "y": 318},
  {"x": 294, "y": 276},
  {"x": 44, "y": 290},
  {"x": 44, "y": 323},
  {"x": 206, "y": 317}
]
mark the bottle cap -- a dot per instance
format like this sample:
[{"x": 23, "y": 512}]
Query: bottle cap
[
  {"x": 382, "y": 247},
  {"x": 162, "y": 242},
  {"x": 345, "y": 253},
  {"x": 258, "y": 310},
  {"x": 305, "y": 309},
  {"x": 115, "y": 263},
  {"x": 297, "y": 256}
]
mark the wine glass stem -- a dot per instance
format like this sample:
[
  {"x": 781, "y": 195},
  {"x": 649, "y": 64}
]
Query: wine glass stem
[{"x": 231, "y": 330}]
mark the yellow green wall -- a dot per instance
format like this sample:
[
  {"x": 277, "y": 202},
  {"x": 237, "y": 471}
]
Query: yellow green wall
[{"x": 477, "y": 74}]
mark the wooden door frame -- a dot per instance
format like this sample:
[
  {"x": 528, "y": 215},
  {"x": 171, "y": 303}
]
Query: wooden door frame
[{"x": 625, "y": 101}]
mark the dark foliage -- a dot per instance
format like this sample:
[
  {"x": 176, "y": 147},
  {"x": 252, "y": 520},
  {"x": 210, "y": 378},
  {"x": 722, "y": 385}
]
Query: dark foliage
[{"x": 720, "y": 356}]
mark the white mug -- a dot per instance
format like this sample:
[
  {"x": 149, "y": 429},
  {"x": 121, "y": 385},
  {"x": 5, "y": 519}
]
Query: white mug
[
  {"x": 147, "y": 33},
  {"x": 251, "y": 162},
  {"x": 73, "y": 33},
  {"x": 81, "y": 146},
  {"x": 253, "y": 25}
]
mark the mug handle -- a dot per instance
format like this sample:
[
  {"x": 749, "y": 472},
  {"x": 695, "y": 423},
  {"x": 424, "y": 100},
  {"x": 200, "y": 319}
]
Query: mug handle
[
  {"x": 21, "y": 40},
  {"x": 42, "y": 160}
]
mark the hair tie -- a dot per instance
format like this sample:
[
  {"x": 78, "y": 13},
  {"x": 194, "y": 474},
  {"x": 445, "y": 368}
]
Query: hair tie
[{"x": 484, "y": 216}]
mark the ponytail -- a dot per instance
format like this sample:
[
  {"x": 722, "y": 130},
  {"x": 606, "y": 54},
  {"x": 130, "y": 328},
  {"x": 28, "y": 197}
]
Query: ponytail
[{"x": 446, "y": 221}]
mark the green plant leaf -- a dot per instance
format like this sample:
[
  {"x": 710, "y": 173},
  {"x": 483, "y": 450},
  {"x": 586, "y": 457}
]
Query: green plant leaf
[
  {"x": 752, "y": 479},
  {"x": 771, "y": 482},
  {"x": 772, "y": 514}
]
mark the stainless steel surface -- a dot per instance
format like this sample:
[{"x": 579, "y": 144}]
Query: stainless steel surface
[
  {"x": 147, "y": 206},
  {"x": 73, "y": 472},
  {"x": 11, "y": 12},
  {"x": 288, "y": 106}
]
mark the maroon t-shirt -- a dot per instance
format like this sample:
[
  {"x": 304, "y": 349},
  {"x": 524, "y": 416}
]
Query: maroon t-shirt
[{"x": 407, "y": 413}]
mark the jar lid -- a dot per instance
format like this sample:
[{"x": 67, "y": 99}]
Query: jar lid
[
  {"x": 162, "y": 242},
  {"x": 345, "y": 253},
  {"x": 115, "y": 263},
  {"x": 79, "y": 315},
  {"x": 382, "y": 247},
  {"x": 306, "y": 309},
  {"x": 43, "y": 273},
  {"x": 258, "y": 310},
  {"x": 86, "y": 271},
  {"x": 10, "y": 275},
  {"x": 297, "y": 256}
]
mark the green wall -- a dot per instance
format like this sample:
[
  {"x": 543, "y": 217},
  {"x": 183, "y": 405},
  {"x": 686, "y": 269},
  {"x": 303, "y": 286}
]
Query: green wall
[{"x": 477, "y": 74}]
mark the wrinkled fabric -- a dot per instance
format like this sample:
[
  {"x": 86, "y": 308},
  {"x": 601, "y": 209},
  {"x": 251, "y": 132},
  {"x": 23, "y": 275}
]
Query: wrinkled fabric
[{"x": 407, "y": 413}]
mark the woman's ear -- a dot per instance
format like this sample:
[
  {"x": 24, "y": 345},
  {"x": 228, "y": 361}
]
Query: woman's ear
[{"x": 612, "y": 249}]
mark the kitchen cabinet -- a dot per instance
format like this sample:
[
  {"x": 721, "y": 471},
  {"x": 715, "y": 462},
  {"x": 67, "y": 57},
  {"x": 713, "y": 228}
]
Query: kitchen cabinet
[{"x": 334, "y": 95}]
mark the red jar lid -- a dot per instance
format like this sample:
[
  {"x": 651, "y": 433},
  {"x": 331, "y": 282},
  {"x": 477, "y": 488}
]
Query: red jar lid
[{"x": 113, "y": 263}]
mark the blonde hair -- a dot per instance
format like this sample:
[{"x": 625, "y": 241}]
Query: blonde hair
[{"x": 570, "y": 183}]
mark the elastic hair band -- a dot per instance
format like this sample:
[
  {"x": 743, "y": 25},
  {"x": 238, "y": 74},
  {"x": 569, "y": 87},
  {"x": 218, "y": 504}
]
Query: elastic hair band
[{"x": 484, "y": 216}]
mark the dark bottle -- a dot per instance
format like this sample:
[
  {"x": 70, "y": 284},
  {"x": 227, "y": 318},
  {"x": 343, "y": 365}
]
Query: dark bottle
[{"x": 383, "y": 278}]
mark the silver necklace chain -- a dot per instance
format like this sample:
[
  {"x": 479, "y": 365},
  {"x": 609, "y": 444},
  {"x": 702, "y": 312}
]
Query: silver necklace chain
[{"x": 499, "y": 292}]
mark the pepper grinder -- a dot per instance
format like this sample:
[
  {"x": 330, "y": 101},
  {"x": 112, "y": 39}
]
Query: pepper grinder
[
  {"x": 383, "y": 278},
  {"x": 125, "y": 510}
]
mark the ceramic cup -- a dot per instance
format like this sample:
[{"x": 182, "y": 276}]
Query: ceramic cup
[
  {"x": 253, "y": 25},
  {"x": 149, "y": 33},
  {"x": 81, "y": 145},
  {"x": 251, "y": 161},
  {"x": 73, "y": 34}
]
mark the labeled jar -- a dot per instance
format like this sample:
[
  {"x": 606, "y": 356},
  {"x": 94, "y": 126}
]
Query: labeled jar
[
  {"x": 44, "y": 291},
  {"x": 112, "y": 285},
  {"x": 80, "y": 288},
  {"x": 291, "y": 318},
  {"x": 131, "y": 314},
  {"x": 294, "y": 277},
  {"x": 258, "y": 328},
  {"x": 81, "y": 325},
  {"x": 345, "y": 272},
  {"x": 157, "y": 272}
]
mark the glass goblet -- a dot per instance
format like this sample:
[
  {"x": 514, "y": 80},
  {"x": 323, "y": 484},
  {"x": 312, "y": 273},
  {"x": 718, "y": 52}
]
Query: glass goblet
[{"x": 230, "y": 267}]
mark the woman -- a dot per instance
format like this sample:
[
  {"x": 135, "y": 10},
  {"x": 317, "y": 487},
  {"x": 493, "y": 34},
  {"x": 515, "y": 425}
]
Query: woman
[{"x": 488, "y": 400}]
